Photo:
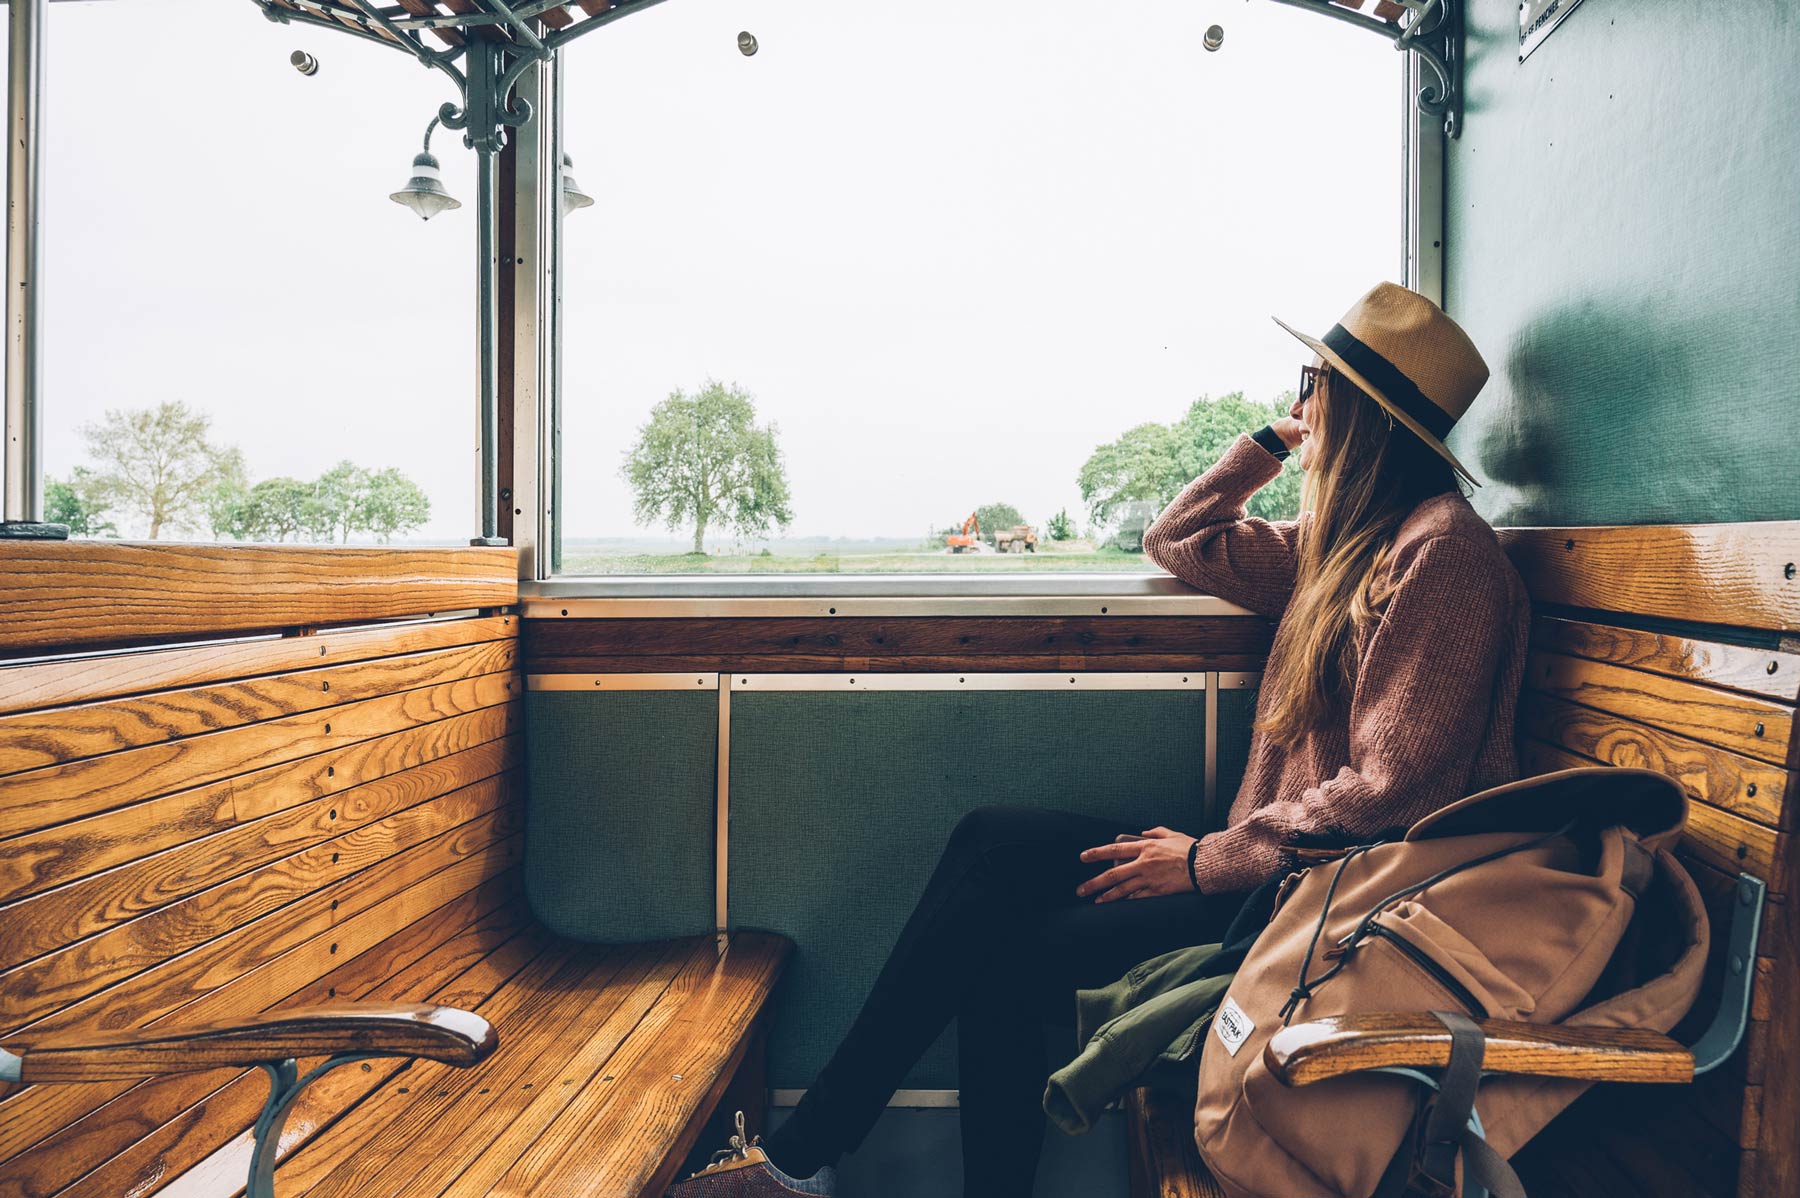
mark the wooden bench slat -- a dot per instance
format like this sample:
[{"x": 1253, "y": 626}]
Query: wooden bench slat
[
  {"x": 85, "y": 679},
  {"x": 63, "y": 593},
  {"x": 1717, "y": 717},
  {"x": 56, "y": 793},
  {"x": 1707, "y": 573},
  {"x": 598, "y": 1143},
  {"x": 34, "y": 739},
  {"x": 68, "y": 851},
  {"x": 47, "y": 921},
  {"x": 1735, "y": 783},
  {"x": 1735, "y": 667}
]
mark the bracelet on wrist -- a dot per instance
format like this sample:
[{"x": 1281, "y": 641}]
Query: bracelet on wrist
[{"x": 1193, "y": 851}]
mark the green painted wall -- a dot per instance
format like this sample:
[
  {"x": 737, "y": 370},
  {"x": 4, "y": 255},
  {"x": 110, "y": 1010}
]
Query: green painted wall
[
  {"x": 619, "y": 814},
  {"x": 1623, "y": 240},
  {"x": 841, "y": 804}
]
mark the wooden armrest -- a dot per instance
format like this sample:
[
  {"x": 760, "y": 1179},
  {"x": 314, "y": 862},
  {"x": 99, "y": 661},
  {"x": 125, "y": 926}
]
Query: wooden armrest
[
  {"x": 446, "y": 1034},
  {"x": 1310, "y": 1052}
]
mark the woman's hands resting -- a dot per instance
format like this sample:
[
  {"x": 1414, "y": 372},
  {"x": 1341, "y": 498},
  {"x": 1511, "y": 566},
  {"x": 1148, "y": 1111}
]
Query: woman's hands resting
[{"x": 1152, "y": 864}]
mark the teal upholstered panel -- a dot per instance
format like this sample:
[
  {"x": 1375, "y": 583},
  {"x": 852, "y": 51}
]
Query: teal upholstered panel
[
  {"x": 841, "y": 804},
  {"x": 1237, "y": 712},
  {"x": 619, "y": 819},
  {"x": 1622, "y": 234}
]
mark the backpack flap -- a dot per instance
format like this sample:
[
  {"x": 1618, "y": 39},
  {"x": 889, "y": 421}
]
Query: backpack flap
[{"x": 1652, "y": 806}]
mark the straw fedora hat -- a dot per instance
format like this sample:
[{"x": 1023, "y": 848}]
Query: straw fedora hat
[{"x": 1413, "y": 359}]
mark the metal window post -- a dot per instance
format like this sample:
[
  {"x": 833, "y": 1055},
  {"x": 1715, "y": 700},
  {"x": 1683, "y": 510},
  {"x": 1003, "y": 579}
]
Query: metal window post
[
  {"x": 24, "y": 499},
  {"x": 486, "y": 64}
]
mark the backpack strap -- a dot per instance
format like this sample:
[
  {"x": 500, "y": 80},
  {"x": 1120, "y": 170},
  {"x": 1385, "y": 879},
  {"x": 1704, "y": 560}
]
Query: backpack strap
[{"x": 1445, "y": 1127}]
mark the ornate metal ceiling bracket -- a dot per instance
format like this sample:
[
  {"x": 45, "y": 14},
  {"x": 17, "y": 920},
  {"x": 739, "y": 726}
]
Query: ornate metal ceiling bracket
[{"x": 1430, "y": 29}]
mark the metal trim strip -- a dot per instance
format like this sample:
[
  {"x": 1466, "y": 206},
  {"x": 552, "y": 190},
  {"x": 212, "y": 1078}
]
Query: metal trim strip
[
  {"x": 1238, "y": 679},
  {"x": 722, "y": 809},
  {"x": 901, "y": 1098},
  {"x": 1074, "y": 680},
  {"x": 621, "y": 682},
  {"x": 1209, "y": 802},
  {"x": 835, "y": 603}
]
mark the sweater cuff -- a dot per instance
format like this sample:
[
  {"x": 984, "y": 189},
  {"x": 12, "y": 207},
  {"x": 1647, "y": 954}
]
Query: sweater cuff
[
  {"x": 1269, "y": 439},
  {"x": 1236, "y": 859}
]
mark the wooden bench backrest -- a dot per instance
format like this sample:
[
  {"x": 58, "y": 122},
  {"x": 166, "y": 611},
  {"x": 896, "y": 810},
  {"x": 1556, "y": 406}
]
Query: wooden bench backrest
[
  {"x": 200, "y": 832},
  {"x": 1674, "y": 648}
]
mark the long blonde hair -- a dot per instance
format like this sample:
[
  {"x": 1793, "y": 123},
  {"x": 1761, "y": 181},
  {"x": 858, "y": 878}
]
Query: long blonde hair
[{"x": 1372, "y": 473}]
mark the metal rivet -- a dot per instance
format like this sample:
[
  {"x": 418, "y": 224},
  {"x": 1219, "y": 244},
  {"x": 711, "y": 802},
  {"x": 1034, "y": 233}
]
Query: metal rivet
[
  {"x": 404, "y": 1090},
  {"x": 1103, "y": 611},
  {"x": 334, "y": 813},
  {"x": 367, "y": 1067},
  {"x": 331, "y": 992},
  {"x": 1773, "y": 666},
  {"x": 565, "y": 611},
  {"x": 1787, "y": 571},
  {"x": 334, "y": 858},
  {"x": 331, "y": 771},
  {"x": 1568, "y": 544},
  {"x": 1737, "y": 965},
  {"x": 1214, "y": 37},
  {"x": 334, "y": 904},
  {"x": 1750, "y": 790},
  {"x": 607, "y": 1078},
  {"x": 746, "y": 43},
  {"x": 328, "y": 729},
  {"x": 334, "y": 948},
  {"x": 1759, "y": 729},
  {"x": 321, "y": 651},
  {"x": 832, "y": 611},
  {"x": 526, "y": 1086},
  {"x": 1743, "y": 850},
  {"x": 676, "y": 1076},
  {"x": 324, "y": 686}
]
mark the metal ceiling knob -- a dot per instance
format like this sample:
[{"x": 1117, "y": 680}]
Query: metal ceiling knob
[
  {"x": 747, "y": 43},
  {"x": 1214, "y": 37}
]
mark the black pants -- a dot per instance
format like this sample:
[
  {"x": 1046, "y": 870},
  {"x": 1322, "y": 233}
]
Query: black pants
[{"x": 1000, "y": 941}]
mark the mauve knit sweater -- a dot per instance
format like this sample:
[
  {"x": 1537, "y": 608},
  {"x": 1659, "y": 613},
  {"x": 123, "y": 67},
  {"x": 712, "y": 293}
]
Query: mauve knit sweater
[{"x": 1430, "y": 718}]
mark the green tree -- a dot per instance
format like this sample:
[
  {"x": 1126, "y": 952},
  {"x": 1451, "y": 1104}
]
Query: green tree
[
  {"x": 227, "y": 500},
  {"x": 393, "y": 503},
  {"x": 74, "y": 503},
  {"x": 336, "y": 506},
  {"x": 701, "y": 460},
  {"x": 1149, "y": 464},
  {"x": 996, "y": 516},
  {"x": 1060, "y": 527},
  {"x": 279, "y": 508},
  {"x": 157, "y": 464}
]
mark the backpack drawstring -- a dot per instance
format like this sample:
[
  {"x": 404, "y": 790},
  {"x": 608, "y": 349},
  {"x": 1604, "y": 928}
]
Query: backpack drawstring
[{"x": 1304, "y": 989}]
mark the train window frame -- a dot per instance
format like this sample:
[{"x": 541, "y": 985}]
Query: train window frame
[{"x": 532, "y": 500}]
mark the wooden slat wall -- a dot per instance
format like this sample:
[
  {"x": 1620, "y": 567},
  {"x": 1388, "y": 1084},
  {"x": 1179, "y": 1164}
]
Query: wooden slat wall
[
  {"x": 59, "y": 594},
  {"x": 1722, "y": 719},
  {"x": 204, "y": 832}
]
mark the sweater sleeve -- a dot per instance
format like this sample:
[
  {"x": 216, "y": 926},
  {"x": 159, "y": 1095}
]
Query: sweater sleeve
[
  {"x": 1424, "y": 691},
  {"x": 1206, "y": 539}
]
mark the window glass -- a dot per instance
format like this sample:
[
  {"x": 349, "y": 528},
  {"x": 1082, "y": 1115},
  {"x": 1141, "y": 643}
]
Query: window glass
[
  {"x": 907, "y": 266},
  {"x": 245, "y": 339}
]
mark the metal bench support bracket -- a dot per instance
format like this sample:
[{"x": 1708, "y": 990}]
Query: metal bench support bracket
[{"x": 284, "y": 1088}]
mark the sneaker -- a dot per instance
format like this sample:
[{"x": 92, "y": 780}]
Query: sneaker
[{"x": 744, "y": 1170}]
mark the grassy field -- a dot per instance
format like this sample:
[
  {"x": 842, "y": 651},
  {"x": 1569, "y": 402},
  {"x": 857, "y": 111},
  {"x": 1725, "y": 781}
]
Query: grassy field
[{"x": 1077, "y": 558}]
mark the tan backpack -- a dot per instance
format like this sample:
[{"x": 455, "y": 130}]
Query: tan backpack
[{"x": 1508, "y": 904}]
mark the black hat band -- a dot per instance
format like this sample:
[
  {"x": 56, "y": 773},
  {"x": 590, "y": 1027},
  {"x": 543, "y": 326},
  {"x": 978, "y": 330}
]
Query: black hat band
[{"x": 1387, "y": 377}]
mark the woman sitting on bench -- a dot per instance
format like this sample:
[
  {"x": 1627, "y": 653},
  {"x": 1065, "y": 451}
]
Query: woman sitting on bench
[{"x": 1389, "y": 692}]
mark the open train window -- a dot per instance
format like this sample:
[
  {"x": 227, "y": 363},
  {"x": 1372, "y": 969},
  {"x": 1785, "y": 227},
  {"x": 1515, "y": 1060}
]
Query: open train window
[
  {"x": 244, "y": 340},
  {"x": 946, "y": 291}
]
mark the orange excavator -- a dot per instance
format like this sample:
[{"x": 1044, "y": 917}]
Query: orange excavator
[{"x": 968, "y": 538}]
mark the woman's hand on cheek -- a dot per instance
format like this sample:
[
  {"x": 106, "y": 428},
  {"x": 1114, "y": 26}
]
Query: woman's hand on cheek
[{"x": 1149, "y": 865}]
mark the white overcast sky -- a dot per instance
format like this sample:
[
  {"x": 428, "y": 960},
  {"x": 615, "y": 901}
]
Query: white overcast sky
[{"x": 950, "y": 249}]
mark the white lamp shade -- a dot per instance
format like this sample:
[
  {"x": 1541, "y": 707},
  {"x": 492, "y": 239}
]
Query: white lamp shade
[
  {"x": 424, "y": 193},
  {"x": 572, "y": 195}
]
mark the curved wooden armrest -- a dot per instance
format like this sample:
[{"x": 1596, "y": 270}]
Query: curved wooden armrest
[
  {"x": 1310, "y": 1052},
  {"x": 447, "y": 1034}
]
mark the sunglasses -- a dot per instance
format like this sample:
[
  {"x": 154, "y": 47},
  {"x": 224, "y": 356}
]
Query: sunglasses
[{"x": 1309, "y": 381}]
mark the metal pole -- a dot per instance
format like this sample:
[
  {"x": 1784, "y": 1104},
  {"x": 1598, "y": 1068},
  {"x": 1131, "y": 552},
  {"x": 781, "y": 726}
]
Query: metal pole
[
  {"x": 23, "y": 506},
  {"x": 487, "y": 322}
]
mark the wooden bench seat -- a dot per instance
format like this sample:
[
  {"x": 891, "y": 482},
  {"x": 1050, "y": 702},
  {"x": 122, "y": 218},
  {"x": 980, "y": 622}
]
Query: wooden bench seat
[{"x": 229, "y": 833}]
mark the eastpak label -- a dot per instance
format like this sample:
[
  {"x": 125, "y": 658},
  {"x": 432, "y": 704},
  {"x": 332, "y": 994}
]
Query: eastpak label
[{"x": 1234, "y": 1027}]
